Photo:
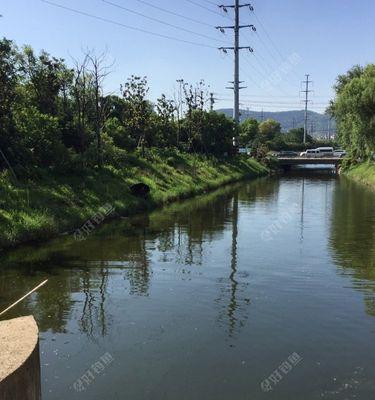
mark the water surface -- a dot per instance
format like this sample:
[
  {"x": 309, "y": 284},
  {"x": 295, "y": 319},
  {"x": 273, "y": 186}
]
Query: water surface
[{"x": 205, "y": 299}]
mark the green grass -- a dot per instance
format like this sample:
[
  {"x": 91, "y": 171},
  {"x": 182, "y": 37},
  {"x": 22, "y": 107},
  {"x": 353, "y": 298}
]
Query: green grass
[
  {"x": 39, "y": 210},
  {"x": 364, "y": 173}
]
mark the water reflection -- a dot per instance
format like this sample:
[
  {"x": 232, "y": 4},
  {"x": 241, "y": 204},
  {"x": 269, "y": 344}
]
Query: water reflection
[
  {"x": 190, "y": 299},
  {"x": 233, "y": 306},
  {"x": 80, "y": 272},
  {"x": 352, "y": 237}
]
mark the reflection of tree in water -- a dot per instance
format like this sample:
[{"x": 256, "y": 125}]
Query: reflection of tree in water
[
  {"x": 181, "y": 230},
  {"x": 353, "y": 237},
  {"x": 82, "y": 269},
  {"x": 51, "y": 305},
  {"x": 94, "y": 317},
  {"x": 259, "y": 190},
  {"x": 235, "y": 311},
  {"x": 54, "y": 304},
  {"x": 139, "y": 272}
]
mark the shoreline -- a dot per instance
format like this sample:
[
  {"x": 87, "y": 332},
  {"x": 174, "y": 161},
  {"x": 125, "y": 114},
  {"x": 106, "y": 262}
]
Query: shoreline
[
  {"x": 52, "y": 206},
  {"x": 363, "y": 173}
]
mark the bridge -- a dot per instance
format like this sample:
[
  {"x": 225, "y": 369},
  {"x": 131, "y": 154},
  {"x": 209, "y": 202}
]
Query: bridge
[{"x": 287, "y": 162}]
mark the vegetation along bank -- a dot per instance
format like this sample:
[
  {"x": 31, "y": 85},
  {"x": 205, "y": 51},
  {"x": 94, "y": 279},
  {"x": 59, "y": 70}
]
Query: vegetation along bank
[
  {"x": 43, "y": 208},
  {"x": 353, "y": 109},
  {"x": 67, "y": 148}
]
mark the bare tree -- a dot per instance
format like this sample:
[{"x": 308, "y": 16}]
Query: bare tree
[
  {"x": 81, "y": 85},
  {"x": 99, "y": 70}
]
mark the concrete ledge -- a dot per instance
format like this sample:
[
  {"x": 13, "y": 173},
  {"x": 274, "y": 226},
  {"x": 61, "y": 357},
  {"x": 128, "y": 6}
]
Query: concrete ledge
[{"x": 19, "y": 360}]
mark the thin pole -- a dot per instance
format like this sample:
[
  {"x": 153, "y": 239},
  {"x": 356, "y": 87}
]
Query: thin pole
[
  {"x": 329, "y": 129},
  {"x": 180, "y": 81},
  {"x": 24, "y": 297},
  {"x": 237, "y": 62},
  {"x": 307, "y": 91}
]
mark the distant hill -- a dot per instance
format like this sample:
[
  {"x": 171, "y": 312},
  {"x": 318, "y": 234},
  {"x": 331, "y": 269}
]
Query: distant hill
[{"x": 289, "y": 119}]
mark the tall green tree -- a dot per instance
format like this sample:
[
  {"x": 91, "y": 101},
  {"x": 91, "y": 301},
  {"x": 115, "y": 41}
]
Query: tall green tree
[
  {"x": 249, "y": 129},
  {"x": 269, "y": 129},
  {"x": 354, "y": 110},
  {"x": 138, "y": 109}
]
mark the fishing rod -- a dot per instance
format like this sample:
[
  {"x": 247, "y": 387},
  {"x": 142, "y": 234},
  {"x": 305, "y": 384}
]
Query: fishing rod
[{"x": 24, "y": 297}]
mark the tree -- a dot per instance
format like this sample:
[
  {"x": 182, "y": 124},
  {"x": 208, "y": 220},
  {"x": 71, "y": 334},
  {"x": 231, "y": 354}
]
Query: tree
[
  {"x": 269, "y": 129},
  {"x": 211, "y": 132},
  {"x": 8, "y": 85},
  {"x": 138, "y": 109},
  {"x": 354, "y": 110},
  {"x": 195, "y": 99},
  {"x": 99, "y": 71},
  {"x": 40, "y": 136},
  {"x": 81, "y": 93},
  {"x": 45, "y": 76},
  {"x": 249, "y": 129},
  {"x": 164, "y": 126},
  {"x": 295, "y": 135}
]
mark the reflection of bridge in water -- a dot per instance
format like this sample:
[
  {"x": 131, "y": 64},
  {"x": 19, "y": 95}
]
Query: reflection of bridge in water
[{"x": 287, "y": 162}]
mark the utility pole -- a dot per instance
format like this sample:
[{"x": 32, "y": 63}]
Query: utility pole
[
  {"x": 236, "y": 49},
  {"x": 236, "y": 82},
  {"x": 329, "y": 129},
  {"x": 311, "y": 128},
  {"x": 306, "y": 91},
  {"x": 212, "y": 101},
  {"x": 181, "y": 82}
]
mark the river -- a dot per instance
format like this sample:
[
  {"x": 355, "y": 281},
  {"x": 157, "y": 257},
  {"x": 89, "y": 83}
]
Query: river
[{"x": 260, "y": 290}]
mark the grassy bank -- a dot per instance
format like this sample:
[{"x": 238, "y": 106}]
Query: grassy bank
[
  {"x": 363, "y": 173},
  {"x": 52, "y": 204}
]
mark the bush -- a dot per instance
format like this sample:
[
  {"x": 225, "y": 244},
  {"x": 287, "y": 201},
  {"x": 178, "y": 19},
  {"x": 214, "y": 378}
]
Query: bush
[{"x": 40, "y": 137}]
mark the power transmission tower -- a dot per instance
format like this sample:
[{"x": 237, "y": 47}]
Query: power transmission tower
[
  {"x": 236, "y": 49},
  {"x": 262, "y": 116},
  {"x": 306, "y": 91}
]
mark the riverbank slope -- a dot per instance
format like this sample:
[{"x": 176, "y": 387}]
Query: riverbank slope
[
  {"x": 363, "y": 173},
  {"x": 50, "y": 204}
]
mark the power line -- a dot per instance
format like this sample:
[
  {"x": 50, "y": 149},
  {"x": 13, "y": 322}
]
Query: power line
[
  {"x": 160, "y": 21},
  {"x": 205, "y": 8},
  {"x": 280, "y": 102},
  {"x": 126, "y": 26},
  {"x": 282, "y": 58},
  {"x": 268, "y": 36},
  {"x": 262, "y": 61},
  {"x": 276, "y": 107},
  {"x": 269, "y": 96},
  {"x": 270, "y": 67},
  {"x": 174, "y": 13},
  {"x": 210, "y": 2},
  {"x": 250, "y": 78},
  {"x": 277, "y": 63},
  {"x": 266, "y": 78}
]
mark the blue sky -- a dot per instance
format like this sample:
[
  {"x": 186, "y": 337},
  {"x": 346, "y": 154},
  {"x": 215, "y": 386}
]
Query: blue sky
[{"x": 294, "y": 37}]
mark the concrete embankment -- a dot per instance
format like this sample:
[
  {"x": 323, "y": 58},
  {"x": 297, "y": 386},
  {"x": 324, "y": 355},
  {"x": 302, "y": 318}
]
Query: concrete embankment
[{"x": 19, "y": 360}]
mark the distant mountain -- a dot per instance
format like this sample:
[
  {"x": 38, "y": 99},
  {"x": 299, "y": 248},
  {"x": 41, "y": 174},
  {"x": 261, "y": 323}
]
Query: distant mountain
[{"x": 319, "y": 124}]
